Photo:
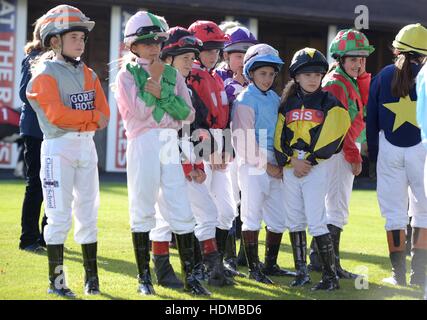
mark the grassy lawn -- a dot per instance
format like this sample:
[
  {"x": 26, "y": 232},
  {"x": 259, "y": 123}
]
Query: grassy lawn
[{"x": 24, "y": 275}]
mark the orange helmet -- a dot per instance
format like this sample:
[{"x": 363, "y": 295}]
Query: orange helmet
[{"x": 63, "y": 19}]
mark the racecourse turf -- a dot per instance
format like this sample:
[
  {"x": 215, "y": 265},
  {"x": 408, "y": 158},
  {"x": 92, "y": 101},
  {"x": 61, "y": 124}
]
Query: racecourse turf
[{"x": 23, "y": 275}]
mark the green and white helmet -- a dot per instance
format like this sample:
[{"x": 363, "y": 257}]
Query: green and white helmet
[{"x": 147, "y": 27}]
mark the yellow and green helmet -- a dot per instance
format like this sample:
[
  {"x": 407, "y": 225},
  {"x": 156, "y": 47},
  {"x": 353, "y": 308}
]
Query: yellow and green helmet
[
  {"x": 350, "y": 42},
  {"x": 412, "y": 38}
]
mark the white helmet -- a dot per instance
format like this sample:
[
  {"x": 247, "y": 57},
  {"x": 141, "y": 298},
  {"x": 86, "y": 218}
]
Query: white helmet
[
  {"x": 63, "y": 19},
  {"x": 144, "y": 25}
]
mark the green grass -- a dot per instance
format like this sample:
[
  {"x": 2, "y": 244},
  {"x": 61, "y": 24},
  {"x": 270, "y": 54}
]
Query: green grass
[{"x": 24, "y": 275}]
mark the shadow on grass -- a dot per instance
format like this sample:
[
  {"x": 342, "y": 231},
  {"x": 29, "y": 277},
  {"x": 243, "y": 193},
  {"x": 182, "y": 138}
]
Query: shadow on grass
[
  {"x": 109, "y": 296},
  {"x": 249, "y": 289},
  {"x": 381, "y": 292},
  {"x": 108, "y": 264},
  {"x": 243, "y": 288},
  {"x": 118, "y": 266},
  {"x": 382, "y": 261}
]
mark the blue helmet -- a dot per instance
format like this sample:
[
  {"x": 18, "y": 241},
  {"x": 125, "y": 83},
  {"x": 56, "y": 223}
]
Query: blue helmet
[{"x": 261, "y": 55}]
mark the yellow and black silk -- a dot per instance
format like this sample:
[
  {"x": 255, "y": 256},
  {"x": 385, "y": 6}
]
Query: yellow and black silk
[{"x": 314, "y": 123}]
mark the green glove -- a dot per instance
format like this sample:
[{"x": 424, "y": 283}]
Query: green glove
[{"x": 174, "y": 105}]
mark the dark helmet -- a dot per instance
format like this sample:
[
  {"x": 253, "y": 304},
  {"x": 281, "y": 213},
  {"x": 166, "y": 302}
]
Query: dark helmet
[
  {"x": 180, "y": 41},
  {"x": 308, "y": 60}
]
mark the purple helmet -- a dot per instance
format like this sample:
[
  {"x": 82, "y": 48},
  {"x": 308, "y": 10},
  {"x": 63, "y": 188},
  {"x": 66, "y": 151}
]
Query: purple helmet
[{"x": 240, "y": 40}]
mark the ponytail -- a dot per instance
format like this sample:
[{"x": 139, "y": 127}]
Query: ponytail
[
  {"x": 38, "y": 61},
  {"x": 403, "y": 79}
]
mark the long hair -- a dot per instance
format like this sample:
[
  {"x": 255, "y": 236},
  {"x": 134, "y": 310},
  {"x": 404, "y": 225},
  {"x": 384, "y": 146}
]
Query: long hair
[
  {"x": 38, "y": 61},
  {"x": 36, "y": 42},
  {"x": 129, "y": 57},
  {"x": 403, "y": 79},
  {"x": 290, "y": 90}
]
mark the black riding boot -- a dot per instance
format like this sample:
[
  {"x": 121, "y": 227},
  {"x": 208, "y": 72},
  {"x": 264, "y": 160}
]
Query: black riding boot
[
  {"x": 185, "y": 245},
  {"x": 241, "y": 257},
  {"x": 214, "y": 263},
  {"x": 199, "y": 270},
  {"x": 336, "y": 236},
  {"x": 299, "y": 249},
  {"x": 315, "y": 264},
  {"x": 91, "y": 269},
  {"x": 250, "y": 240},
  {"x": 329, "y": 273},
  {"x": 230, "y": 258},
  {"x": 272, "y": 247},
  {"x": 57, "y": 285},
  {"x": 397, "y": 249},
  {"x": 163, "y": 269},
  {"x": 141, "y": 246},
  {"x": 221, "y": 239}
]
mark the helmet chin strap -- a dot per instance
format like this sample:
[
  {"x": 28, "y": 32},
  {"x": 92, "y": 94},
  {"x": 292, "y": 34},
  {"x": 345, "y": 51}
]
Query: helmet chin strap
[
  {"x": 201, "y": 63},
  {"x": 73, "y": 61},
  {"x": 252, "y": 80},
  {"x": 203, "y": 66},
  {"x": 263, "y": 91}
]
